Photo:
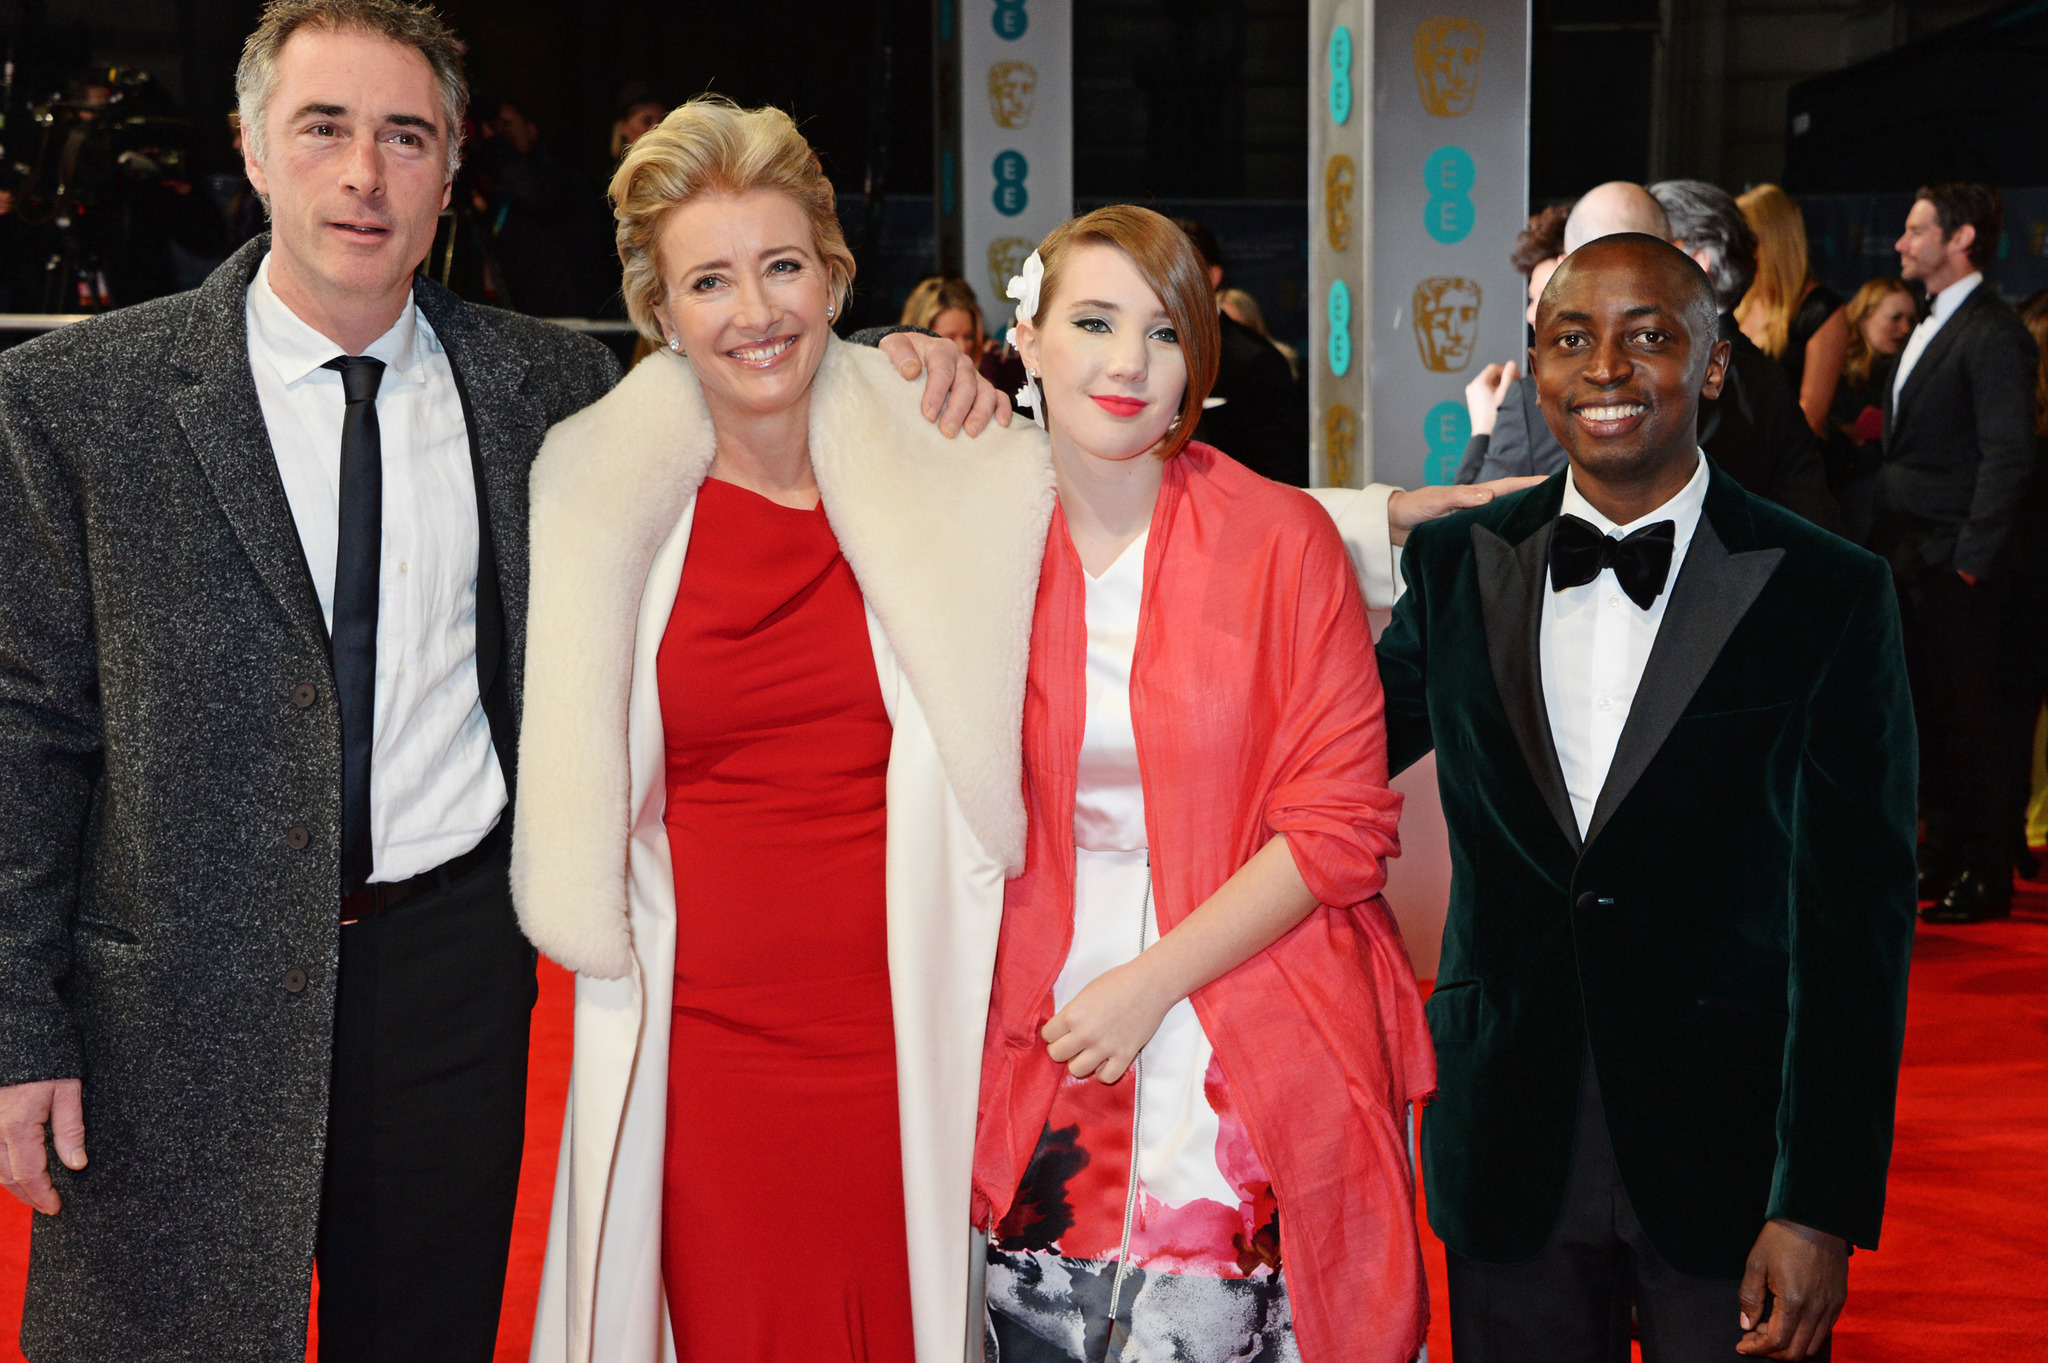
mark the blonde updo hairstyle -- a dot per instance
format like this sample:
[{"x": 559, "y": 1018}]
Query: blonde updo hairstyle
[
  {"x": 711, "y": 145},
  {"x": 1169, "y": 263}
]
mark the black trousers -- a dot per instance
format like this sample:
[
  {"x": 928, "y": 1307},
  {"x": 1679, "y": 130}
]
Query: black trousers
[
  {"x": 426, "y": 1125},
  {"x": 1968, "y": 771},
  {"x": 1573, "y": 1303}
]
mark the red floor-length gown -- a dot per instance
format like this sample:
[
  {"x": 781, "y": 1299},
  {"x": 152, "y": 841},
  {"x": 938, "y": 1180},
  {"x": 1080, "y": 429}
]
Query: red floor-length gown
[{"x": 782, "y": 1197}]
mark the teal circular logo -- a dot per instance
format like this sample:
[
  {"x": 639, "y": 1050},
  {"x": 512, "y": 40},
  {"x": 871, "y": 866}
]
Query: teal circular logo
[
  {"x": 1010, "y": 170},
  {"x": 1010, "y": 19},
  {"x": 1448, "y": 175},
  {"x": 1338, "y": 310},
  {"x": 1340, "y": 75},
  {"x": 1446, "y": 430}
]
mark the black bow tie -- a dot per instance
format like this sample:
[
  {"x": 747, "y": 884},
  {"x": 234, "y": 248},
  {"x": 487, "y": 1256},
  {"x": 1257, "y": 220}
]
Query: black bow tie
[{"x": 1641, "y": 561}]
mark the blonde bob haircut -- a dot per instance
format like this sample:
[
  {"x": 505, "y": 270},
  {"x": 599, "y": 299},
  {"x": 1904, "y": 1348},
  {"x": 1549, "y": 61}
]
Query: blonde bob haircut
[
  {"x": 712, "y": 146},
  {"x": 1169, "y": 263}
]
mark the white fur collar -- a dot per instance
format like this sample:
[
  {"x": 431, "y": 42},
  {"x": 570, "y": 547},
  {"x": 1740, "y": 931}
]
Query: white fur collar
[{"x": 944, "y": 536}]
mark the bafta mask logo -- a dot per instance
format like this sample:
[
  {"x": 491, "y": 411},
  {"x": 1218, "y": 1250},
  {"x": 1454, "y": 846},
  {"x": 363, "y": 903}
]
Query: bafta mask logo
[
  {"x": 1340, "y": 437},
  {"x": 1446, "y": 322},
  {"x": 1340, "y": 182},
  {"x": 1011, "y": 86},
  {"x": 1006, "y": 257},
  {"x": 1447, "y": 53}
]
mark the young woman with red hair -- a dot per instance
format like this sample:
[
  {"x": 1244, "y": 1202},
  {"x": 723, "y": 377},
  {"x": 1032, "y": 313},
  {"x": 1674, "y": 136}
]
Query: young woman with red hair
[{"x": 1205, "y": 1033}]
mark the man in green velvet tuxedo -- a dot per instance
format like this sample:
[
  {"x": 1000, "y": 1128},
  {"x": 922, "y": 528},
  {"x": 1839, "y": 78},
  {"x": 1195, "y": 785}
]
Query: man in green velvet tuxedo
[{"x": 1676, "y": 753}]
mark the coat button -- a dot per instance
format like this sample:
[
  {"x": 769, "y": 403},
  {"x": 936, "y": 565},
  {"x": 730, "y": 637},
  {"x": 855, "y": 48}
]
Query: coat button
[
  {"x": 294, "y": 980},
  {"x": 304, "y": 694},
  {"x": 1588, "y": 902},
  {"x": 296, "y": 838}
]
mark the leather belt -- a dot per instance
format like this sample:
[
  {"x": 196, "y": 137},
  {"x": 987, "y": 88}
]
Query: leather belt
[{"x": 381, "y": 898}]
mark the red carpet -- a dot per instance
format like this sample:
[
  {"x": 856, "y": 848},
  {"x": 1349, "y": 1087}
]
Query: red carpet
[{"x": 1966, "y": 1232}]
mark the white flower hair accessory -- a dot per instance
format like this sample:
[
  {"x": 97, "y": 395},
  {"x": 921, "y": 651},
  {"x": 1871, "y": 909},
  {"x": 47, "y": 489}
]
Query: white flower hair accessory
[{"x": 1024, "y": 288}]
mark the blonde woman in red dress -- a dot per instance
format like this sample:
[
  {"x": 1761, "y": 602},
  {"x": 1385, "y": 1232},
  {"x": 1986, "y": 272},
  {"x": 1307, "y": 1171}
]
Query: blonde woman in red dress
[
  {"x": 1205, "y": 1034},
  {"x": 770, "y": 789}
]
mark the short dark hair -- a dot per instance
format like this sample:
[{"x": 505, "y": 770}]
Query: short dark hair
[
  {"x": 1541, "y": 240},
  {"x": 1960, "y": 203},
  {"x": 1699, "y": 305},
  {"x": 1705, "y": 217},
  {"x": 409, "y": 25}
]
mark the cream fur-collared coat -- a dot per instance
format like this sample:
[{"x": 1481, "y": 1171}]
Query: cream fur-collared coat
[{"x": 945, "y": 539}]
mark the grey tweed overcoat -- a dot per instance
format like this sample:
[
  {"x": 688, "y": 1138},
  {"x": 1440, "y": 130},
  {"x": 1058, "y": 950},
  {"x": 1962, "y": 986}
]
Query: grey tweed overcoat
[{"x": 170, "y": 817}]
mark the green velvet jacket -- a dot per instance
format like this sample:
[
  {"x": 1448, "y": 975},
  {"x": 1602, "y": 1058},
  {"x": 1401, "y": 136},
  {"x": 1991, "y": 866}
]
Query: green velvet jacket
[{"x": 1731, "y": 937}]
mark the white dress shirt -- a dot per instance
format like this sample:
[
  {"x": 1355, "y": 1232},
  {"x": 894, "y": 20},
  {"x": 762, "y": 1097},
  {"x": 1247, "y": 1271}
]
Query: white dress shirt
[
  {"x": 1945, "y": 304},
  {"x": 1595, "y": 642},
  {"x": 435, "y": 785}
]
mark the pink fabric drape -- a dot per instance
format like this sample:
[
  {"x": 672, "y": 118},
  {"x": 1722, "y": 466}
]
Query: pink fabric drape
[{"x": 1257, "y": 708}]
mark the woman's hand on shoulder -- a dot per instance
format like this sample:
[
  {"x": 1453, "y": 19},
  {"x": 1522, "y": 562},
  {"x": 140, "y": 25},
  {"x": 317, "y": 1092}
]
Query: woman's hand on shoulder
[
  {"x": 1102, "y": 1028},
  {"x": 956, "y": 396}
]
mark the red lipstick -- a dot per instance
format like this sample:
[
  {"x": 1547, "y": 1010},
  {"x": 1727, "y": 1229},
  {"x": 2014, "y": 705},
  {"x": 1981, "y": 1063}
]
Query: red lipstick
[{"x": 1119, "y": 406}]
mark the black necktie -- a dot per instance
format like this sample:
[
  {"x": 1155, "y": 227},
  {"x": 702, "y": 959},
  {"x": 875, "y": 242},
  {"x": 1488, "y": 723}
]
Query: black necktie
[
  {"x": 354, "y": 636},
  {"x": 1641, "y": 561}
]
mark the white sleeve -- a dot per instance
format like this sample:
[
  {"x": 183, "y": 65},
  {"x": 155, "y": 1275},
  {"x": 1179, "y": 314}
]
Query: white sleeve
[{"x": 1361, "y": 517}]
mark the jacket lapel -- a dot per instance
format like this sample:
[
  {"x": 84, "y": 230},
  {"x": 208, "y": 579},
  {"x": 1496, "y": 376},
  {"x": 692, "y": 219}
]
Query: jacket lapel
[
  {"x": 1714, "y": 590},
  {"x": 222, "y": 417},
  {"x": 1937, "y": 350},
  {"x": 490, "y": 380},
  {"x": 1511, "y": 586},
  {"x": 508, "y": 423}
]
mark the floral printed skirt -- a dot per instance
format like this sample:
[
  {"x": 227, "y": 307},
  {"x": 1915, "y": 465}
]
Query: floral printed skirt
[{"x": 1204, "y": 1282}]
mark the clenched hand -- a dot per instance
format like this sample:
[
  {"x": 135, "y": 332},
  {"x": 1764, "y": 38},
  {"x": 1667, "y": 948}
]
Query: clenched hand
[{"x": 1806, "y": 1273}]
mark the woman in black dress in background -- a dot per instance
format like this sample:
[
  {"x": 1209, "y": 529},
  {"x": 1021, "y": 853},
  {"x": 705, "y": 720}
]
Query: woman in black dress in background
[
  {"x": 1880, "y": 318},
  {"x": 1793, "y": 317}
]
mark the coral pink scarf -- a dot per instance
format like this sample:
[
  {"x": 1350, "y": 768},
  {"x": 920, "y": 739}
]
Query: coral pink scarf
[{"x": 1257, "y": 709}]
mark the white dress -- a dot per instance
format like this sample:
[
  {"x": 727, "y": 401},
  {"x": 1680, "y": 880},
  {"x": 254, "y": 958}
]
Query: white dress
[
  {"x": 1183, "y": 1261},
  {"x": 1177, "y": 1127}
]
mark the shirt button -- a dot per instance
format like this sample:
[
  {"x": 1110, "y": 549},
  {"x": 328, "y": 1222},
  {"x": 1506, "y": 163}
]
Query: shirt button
[
  {"x": 304, "y": 694},
  {"x": 294, "y": 980},
  {"x": 401, "y": 565},
  {"x": 1606, "y": 702},
  {"x": 1613, "y": 600},
  {"x": 297, "y": 838}
]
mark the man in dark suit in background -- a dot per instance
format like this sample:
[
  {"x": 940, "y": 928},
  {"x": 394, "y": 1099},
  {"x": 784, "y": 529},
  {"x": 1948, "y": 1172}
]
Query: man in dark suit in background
[
  {"x": 262, "y": 628},
  {"x": 1259, "y": 411},
  {"x": 1753, "y": 429},
  {"x": 1959, "y": 452},
  {"x": 1675, "y": 746}
]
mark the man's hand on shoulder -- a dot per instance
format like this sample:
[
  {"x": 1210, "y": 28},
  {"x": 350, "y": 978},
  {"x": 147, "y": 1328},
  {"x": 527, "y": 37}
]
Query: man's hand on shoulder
[
  {"x": 955, "y": 394},
  {"x": 1408, "y": 509},
  {"x": 1805, "y": 1274},
  {"x": 25, "y": 1109}
]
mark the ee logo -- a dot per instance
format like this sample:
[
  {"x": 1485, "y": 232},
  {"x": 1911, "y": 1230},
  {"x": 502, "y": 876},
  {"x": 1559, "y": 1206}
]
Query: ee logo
[
  {"x": 1448, "y": 175},
  {"x": 1011, "y": 196},
  {"x": 1338, "y": 310},
  {"x": 1010, "y": 19},
  {"x": 1340, "y": 75},
  {"x": 1446, "y": 430}
]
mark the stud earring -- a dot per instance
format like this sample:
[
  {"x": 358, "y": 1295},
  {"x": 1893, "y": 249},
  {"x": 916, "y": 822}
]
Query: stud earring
[
  {"x": 675, "y": 343},
  {"x": 829, "y": 310}
]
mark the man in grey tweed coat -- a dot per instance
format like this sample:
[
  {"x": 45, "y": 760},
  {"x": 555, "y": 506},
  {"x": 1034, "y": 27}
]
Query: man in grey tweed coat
[{"x": 257, "y": 952}]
